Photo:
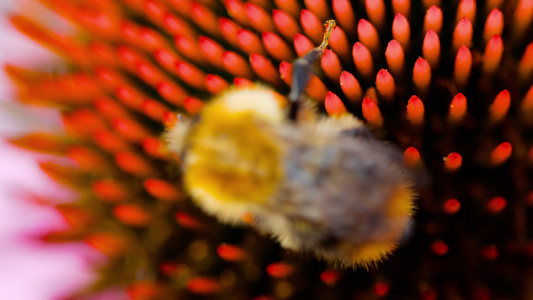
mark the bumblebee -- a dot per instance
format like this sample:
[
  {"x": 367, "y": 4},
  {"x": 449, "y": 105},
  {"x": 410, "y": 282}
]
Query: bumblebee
[{"x": 317, "y": 184}]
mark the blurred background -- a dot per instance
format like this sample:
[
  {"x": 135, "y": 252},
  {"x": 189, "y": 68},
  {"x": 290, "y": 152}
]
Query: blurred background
[{"x": 30, "y": 270}]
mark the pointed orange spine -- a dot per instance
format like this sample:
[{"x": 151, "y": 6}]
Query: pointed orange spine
[
  {"x": 523, "y": 16},
  {"x": 188, "y": 221},
  {"x": 368, "y": 35},
  {"x": 375, "y": 9},
  {"x": 130, "y": 130},
  {"x": 312, "y": 26},
  {"x": 204, "y": 286},
  {"x": 276, "y": 47},
  {"x": 453, "y": 162},
  {"x": 279, "y": 270},
  {"x": 110, "y": 190},
  {"x": 192, "y": 105},
  {"x": 463, "y": 66},
  {"x": 411, "y": 157},
  {"x": 229, "y": 31},
  {"x": 401, "y": 31},
  {"x": 134, "y": 164},
  {"x": 401, "y": 7},
  {"x": 264, "y": 69},
  {"x": 334, "y": 105},
  {"x": 205, "y": 18},
  {"x": 338, "y": 42},
  {"x": 395, "y": 57},
  {"x": 415, "y": 111},
  {"x": 501, "y": 153},
  {"x": 191, "y": 75},
  {"x": 385, "y": 85},
  {"x": 109, "y": 141},
  {"x": 172, "y": 93},
  {"x": 236, "y": 65},
  {"x": 88, "y": 160},
  {"x": 345, "y": 15},
  {"x": 132, "y": 214},
  {"x": 526, "y": 107},
  {"x": 457, "y": 109},
  {"x": 492, "y": 55},
  {"x": 236, "y": 11},
  {"x": 466, "y": 9},
  {"x": 129, "y": 96},
  {"x": 162, "y": 190},
  {"x": 462, "y": 35},
  {"x": 422, "y": 75},
  {"x": 451, "y": 206},
  {"x": 250, "y": 42},
  {"x": 433, "y": 19},
  {"x": 371, "y": 113},
  {"x": 212, "y": 51},
  {"x": 331, "y": 65},
  {"x": 431, "y": 48},
  {"x": 439, "y": 247},
  {"x": 330, "y": 277},
  {"x": 41, "y": 142},
  {"x": 154, "y": 109},
  {"x": 285, "y": 24},
  {"x": 493, "y": 24},
  {"x": 258, "y": 18},
  {"x": 496, "y": 204},
  {"x": 363, "y": 60},
  {"x": 320, "y": 8},
  {"x": 500, "y": 106},
  {"x": 175, "y": 26},
  {"x": 231, "y": 253},
  {"x": 350, "y": 87},
  {"x": 302, "y": 45},
  {"x": 525, "y": 66},
  {"x": 291, "y": 6},
  {"x": 215, "y": 84},
  {"x": 189, "y": 48}
]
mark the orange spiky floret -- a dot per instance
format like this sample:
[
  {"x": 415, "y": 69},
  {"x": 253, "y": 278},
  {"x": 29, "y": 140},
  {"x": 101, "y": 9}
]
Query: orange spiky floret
[{"x": 139, "y": 61}]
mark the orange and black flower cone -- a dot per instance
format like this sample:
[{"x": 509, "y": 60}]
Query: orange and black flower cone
[{"x": 450, "y": 82}]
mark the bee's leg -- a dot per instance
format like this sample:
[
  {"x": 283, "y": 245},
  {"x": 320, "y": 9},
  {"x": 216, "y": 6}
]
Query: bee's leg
[{"x": 302, "y": 69}]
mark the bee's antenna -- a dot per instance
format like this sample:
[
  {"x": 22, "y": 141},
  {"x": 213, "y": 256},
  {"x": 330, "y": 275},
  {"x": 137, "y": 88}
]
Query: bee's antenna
[{"x": 303, "y": 68}]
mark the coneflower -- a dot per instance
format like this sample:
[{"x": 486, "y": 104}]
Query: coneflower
[{"x": 449, "y": 82}]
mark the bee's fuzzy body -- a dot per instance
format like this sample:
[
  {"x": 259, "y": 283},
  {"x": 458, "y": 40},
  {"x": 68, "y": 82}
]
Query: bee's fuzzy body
[{"x": 318, "y": 184}]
